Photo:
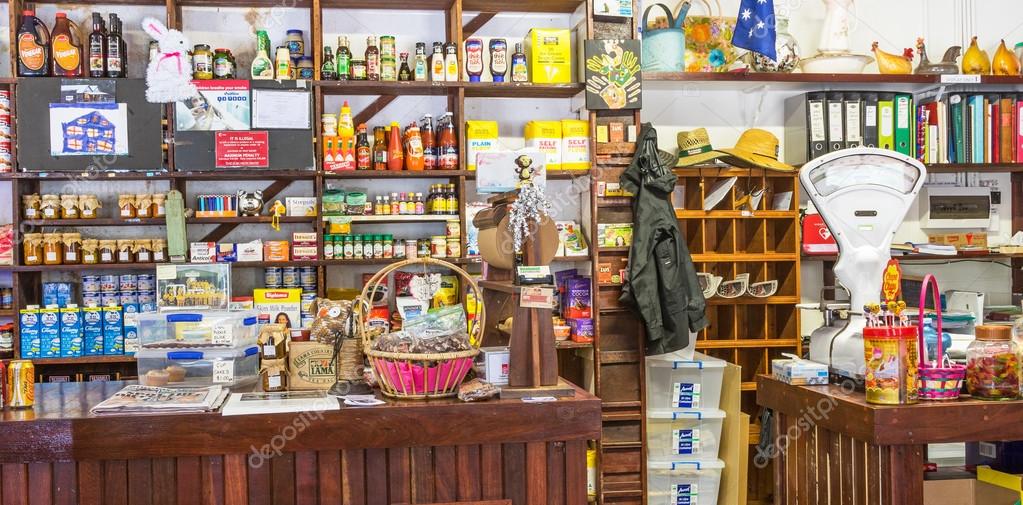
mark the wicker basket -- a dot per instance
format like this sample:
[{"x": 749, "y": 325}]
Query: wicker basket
[
  {"x": 941, "y": 380},
  {"x": 418, "y": 376}
]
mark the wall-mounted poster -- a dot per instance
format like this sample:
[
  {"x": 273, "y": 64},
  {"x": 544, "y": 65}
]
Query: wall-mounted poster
[
  {"x": 88, "y": 129},
  {"x": 613, "y": 78},
  {"x": 220, "y": 105}
]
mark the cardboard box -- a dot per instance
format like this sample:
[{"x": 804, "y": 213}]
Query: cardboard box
[
  {"x": 70, "y": 332},
  {"x": 226, "y": 253},
  {"x": 799, "y": 372},
  {"x": 113, "y": 330},
  {"x": 310, "y": 366},
  {"x": 300, "y": 206},
  {"x": 492, "y": 365},
  {"x": 276, "y": 250},
  {"x": 274, "y": 303},
  {"x": 249, "y": 251},
  {"x": 960, "y": 240},
  {"x": 202, "y": 252},
  {"x": 549, "y": 51},
  {"x": 303, "y": 238},
  {"x": 49, "y": 332},
  {"x": 92, "y": 331},
  {"x": 604, "y": 274},
  {"x": 28, "y": 326}
]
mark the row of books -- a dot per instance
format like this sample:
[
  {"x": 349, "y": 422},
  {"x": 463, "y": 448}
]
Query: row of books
[
  {"x": 818, "y": 123},
  {"x": 970, "y": 128}
]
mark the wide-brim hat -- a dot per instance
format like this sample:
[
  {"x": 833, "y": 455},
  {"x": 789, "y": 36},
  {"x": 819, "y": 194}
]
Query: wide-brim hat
[
  {"x": 756, "y": 148},
  {"x": 694, "y": 148}
]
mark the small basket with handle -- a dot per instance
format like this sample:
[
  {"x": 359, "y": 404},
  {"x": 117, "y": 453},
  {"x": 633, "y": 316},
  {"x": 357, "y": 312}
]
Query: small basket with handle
[{"x": 939, "y": 379}]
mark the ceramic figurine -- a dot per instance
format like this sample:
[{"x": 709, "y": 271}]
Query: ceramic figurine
[
  {"x": 250, "y": 204},
  {"x": 948, "y": 64},
  {"x": 786, "y": 48},
  {"x": 888, "y": 63},
  {"x": 976, "y": 61},
  {"x": 833, "y": 55},
  {"x": 1004, "y": 61}
]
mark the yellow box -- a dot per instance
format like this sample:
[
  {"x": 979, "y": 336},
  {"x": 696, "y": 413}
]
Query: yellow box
[
  {"x": 550, "y": 55},
  {"x": 545, "y": 136},
  {"x": 480, "y": 137}
]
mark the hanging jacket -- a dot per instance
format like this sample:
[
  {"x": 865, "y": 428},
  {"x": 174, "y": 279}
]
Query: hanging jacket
[{"x": 661, "y": 285}]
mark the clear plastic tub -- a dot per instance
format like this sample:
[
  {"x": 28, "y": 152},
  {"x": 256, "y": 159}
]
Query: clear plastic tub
[
  {"x": 684, "y": 384},
  {"x": 683, "y": 434},
  {"x": 233, "y": 367},
  {"x": 683, "y": 482},
  {"x": 205, "y": 328}
]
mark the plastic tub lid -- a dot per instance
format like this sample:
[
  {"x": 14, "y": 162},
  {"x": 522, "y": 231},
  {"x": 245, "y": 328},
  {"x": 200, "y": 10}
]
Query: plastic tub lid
[
  {"x": 698, "y": 414},
  {"x": 195, "y": 353},
  {"x": 686, "y": 464},
  {"x": 184, "y": 317}
]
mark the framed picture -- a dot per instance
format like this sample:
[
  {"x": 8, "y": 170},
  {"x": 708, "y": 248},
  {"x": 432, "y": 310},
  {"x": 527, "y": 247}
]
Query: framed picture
[{"x": 613, "y": 77}]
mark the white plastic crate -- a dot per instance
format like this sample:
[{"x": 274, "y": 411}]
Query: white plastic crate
[
  {"x": 683, "y": 434},
  {"x": 683, "y": 482},
  {"x": 203, "y": 328},
  {"x": 684, "y": 384}
]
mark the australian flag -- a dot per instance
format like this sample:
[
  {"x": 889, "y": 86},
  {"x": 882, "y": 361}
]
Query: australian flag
[{"x": 754, "y": 27}]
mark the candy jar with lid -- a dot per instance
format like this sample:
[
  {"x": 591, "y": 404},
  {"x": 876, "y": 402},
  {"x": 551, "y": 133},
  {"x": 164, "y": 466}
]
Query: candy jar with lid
[{"x": 993, "y": 364}]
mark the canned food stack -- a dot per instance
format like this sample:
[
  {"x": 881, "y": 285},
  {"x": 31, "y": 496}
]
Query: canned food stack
[
  {"x": 684, "y": 425},
  {"x": 304, "y": 278},
  {"x": 6, "y": 139}
]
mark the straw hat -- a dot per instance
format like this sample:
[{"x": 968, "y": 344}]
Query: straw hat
[
  {"x": 694, "y": 148},
  {"x": 756, "y": 148}
]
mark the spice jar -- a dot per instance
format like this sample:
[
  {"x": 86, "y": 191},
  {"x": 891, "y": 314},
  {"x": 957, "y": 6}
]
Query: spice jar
[
  {"x": 159, "y": 205},
  {"x": 49, "y": 207},
  {"x": 32, "y": 249},
  {"x": 159, "y": 249},
  {"x": 53, "y": 249},
  {"x": 143, "y": 205},
  {"x": 107, "y": 251},
  {"x": 126, "y": 204},
  {"x": 88, "y": 206},
  {"x": 143, "y": 251},
  {"x": 125, "y": 251},
  {"x": 90, "y": 252},
  {"x": 72, "y": 248},
  {"x": 69, "y": 206},
  {"x": 993, "y": 364},
  {"x": 30, "y": 206}
]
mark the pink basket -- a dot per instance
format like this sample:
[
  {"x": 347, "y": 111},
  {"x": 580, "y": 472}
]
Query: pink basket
[{"x": 936, "y": 382}]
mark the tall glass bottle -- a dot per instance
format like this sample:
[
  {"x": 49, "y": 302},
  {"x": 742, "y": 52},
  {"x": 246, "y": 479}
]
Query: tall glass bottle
[
  {"x": 328, "y": 71},
  {"x": 116, "y": 63},
  {"x": 372, "y": 59},
  {"x": 420, "y": 68},
  {"x": 344, "y": 59},
  {"x": 97, "y": 47}
]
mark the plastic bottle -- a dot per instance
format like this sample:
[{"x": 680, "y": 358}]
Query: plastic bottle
[
  {"x": 451, "y": 73},
  {"x": 429, "y": 142},
  {"x": 116, "y": 63},
  {"x": 345, "y": 126},
  {"x": 473, "y": 58},
  {"x": 262, "y": 67},
  {"x": 498, "y": 59},
  {"x": 447, "y": 143},
  {"x": 395, "y": 204},
  {"x": 380, "y": 148},
  {"x": 437, "y": 63},
  {"x": 413, "y": 148},
  {"x": 97, "y": 47},
  {"x": 66, "y": 48},
  {"x": 363, "y": 154},
  {"x": 404, "y": 72},
  {"x": 283, "y": 63},
  {"x": 395, "y": 152},
  {"x": 420, "y": 69},
  {"x": 33, "y": 46}
]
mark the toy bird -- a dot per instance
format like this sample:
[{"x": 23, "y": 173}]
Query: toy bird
[
  {"x": 975, "y": 61},
  {"x": 947, "y": 65},
  {"x": 888, "y": 63}
]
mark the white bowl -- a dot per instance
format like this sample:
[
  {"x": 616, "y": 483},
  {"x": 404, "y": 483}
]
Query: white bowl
[{"x": 835, "y": 63}]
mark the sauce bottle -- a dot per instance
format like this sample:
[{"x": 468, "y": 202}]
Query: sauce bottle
[
  {"x": 498, "y": 59},
  {"x": 395, "y": 151},
  {"x": 97, "y": 47},
  {"x": 404, "y": 72},
  {"x": 262, "y": 67},
  {"x": 474, "y": 58},
  {"x": 420, "y": 67},
  {"x": 283, "y": 63},
  {"x": 429, "y": 142},
  {"x": 116, "y": 54},
  {"x": 363, "y": 154},
  {"x": 451, "y": 73},
  {"x": 437, "y": 63},
  {"x": 372, "y": 59},
  {"x": 447, "y": 142},
  {"x": 413, "y": 148},
  {"x": 519, "y": 70},
  {"x": 344, "y": 59},
  {"x": 33, "y": 46},
  {"x": 379, "y": 148},
  {"x": 66, "y": 47},
  {"x": 345, "y": 125},
  {"x": 328, "y": 71}
]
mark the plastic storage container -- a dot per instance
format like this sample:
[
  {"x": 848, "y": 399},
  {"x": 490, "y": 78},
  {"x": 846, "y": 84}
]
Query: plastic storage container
[
  {"x": 683, "y": 434},
  {"x": 683, "y": 482},
  {"x": 684, "y": 384},
  {"x": 193, "y": 329},
  {"x": 233, "y": 367}
]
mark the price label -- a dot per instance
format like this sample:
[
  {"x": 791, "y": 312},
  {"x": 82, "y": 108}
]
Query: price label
[
  {"x": 221, "y": 335},
  {"x": 537, "y": 297},
  {"x": 273, "y": 381},
  {"x": 960, "y": 79},
  {"x": 166, "y": 272},
  {"x": 269, "y": 351},
  {"x": 223, "y": 371}
]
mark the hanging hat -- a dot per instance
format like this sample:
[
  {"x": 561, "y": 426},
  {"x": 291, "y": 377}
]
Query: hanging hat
[
  {"x": 756, "y": 148},
  {"x": 694, "y": 148}
]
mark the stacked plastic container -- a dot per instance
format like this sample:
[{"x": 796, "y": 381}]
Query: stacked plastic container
[{"x": 684, "y": 424}]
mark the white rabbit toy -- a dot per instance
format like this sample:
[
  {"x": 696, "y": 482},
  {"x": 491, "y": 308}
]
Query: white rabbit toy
[{"x": 168, "y": 77}]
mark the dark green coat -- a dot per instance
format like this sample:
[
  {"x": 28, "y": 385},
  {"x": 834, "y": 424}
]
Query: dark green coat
[{"x": 662, "y": 284}]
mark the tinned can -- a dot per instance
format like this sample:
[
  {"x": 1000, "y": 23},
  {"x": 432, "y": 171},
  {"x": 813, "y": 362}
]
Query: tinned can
[
  {"x": 307, "y": 276},
  {"x": 108, "y": 283},
  {"x": 454, "y": 248},
  {"x": 90, "y": 284},
  {"x": 289, "y": 277},
  {"x": 424, "y": 247},
  {"x": 147, "y": 282},
  {"x": 128, "y": 282},
  {"x": 92, "y": 300},
  {"x": 21, "y": 381},
  {"x": 272, "y": 277},
  {"x": 439, "y": 246},
  {"x": 454, "y": 229},
  {"x": 108, "y": 299},
  {"x": 129, "y": 297},
  {"x": 5, "y": 102}
]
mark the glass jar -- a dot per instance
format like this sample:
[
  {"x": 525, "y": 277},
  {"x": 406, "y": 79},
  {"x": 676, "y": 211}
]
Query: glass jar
[
  {"x": 202, "y": 62},
  {"x": 411, "y": 248},
  {"x": 126, "y": 204},
  {"x": 72, "y": 248},
  {"x": 53, "y": 249},
  {"x": 88, "y": 206},
  {"x": 49, "y": 207},
  {"x": 32, "y": 249},
  {"x": 107, "y": 251},
  {"x": 90, "y": 252},
  {"x": 159, "y": 205},
  {"x": 295, "y": 43},
  {"x": 305, "y": 67},
  {"x": 454, "y": 248},
  {"x": 993, "y": 364},
  {"x": 357, "y": 247},
  {"x": 143, "y": 205},
  {"x": 143, "y": 251},
  {"x": 30, "y": 206},
  {"x": 125, "y": 251},
  {"x": 159, "y": 249},
  {"x": 358, "y": 70},
  {"x": 223, "y": 64},
  {"x": 69, "y": 207}
]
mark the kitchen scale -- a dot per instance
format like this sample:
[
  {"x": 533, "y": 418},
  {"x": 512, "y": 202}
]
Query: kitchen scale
[{"x": 862, "y": 194}]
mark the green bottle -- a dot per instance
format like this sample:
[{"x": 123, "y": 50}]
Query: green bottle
[
  {"x": 328, "y": 72},
  {"x": 344, "y": 58}
]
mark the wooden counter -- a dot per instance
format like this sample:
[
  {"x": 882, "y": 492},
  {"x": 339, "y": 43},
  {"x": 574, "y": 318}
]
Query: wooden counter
[
  {"x": 832, "y": 444},
  {"x": 493, "y": 453}
]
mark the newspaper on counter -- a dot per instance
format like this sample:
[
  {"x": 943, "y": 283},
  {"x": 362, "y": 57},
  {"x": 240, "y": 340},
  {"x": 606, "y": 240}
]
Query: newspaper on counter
[{"x": 148, "y": 400}]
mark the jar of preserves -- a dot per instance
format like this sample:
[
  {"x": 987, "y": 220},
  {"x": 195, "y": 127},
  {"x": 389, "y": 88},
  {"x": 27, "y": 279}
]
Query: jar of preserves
[
  {"x": 126, "y": 204},
  {"x": 454, "y": 249},
  {"x": 125, "y": 251},
  {"x": 53, "y": 249},
  {"x": 439, "y": 246},
  {"x": 69, "y": 207},
  {"x": 411, "y": 248},
  {"x": 107, "y": 251},
  {"x": 72, "y": 248},
  {"x": 49, "y": 207},
  {"x": 143, "y": 205},
  {"x": 32, "y": 249},
  {"x": 993, "y": 364},
  {"x": 143, "y": 251},
  {"x": 359, "y": 70},
  {"x": 88, "y": 206},
  {"x": 159, "y": 249},
  {"x": 159, "y": 205},
  {"x": 202, "y": 62},
  {"x": 90, "y": 251},
  {"x": 30, "y": 206},
  {"x": 223, "y": 64}
]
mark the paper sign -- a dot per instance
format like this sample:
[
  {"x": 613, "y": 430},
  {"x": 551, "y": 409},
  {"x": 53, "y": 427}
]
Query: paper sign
[
  {"x": 960, "y": 79},
  {"x": 537, "y": 297},
  {"x": 280, "y": 109},
  {"x": 221, "y": 335},
  {"x": 236, "y": 149},
  {"x": 223, "y": 371}
]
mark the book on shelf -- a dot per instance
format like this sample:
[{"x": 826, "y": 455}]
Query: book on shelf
[{"x": 970, "y": 128}]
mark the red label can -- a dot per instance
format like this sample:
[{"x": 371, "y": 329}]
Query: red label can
[{"x": 21, "y": 382}]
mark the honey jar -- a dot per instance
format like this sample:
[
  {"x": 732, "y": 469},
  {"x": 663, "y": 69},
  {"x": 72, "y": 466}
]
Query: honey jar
[
  {"x": 32, "y": 249},
  {"x": 126, "y": 204},
  {"x": 53, "y": 249},
  {"x": 159, "y": 205},
  {"x": 143, "y": 251},
  {"x": 90, "y": 251},
  {"x": 69, "y": 207},
  {"x": 143, "y": 206},
  {"x": 159, "y": 249},
  {"x": 30, "y": 206},
  {"x": 72, "y": 248},
  {"x": 88, "y": 206},
  {"x": 49, "y": 207},
  {"x": 107, "y": 251},
  {"x": 125, "y": 251}
]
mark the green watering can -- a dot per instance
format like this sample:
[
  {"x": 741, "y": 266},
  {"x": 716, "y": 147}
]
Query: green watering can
[{"x": 664, "y": 50}]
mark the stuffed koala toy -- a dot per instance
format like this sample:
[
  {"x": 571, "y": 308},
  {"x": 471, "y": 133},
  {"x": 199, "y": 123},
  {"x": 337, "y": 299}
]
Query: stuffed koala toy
[
  {"x": 168, "y": 76},
  {"x": 250, "y": 203}
]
